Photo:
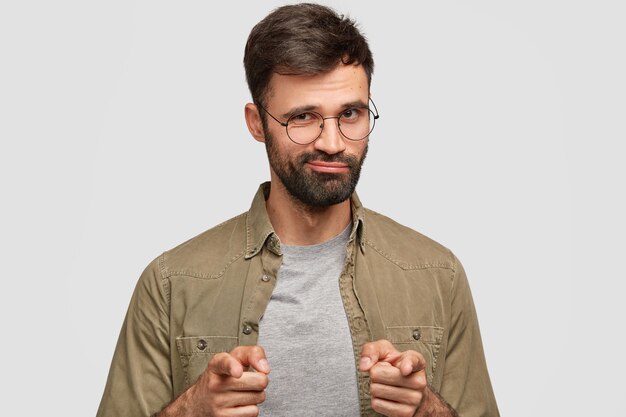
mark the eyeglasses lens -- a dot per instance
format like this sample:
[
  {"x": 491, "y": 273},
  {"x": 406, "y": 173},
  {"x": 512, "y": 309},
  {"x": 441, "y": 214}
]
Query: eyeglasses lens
[{"x": 354, "y": 124}]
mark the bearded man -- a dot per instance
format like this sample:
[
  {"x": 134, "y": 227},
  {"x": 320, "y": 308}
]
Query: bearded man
[{"x": 347, "y": 312}]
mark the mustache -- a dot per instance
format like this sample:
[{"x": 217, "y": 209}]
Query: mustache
[{"x": 324, "y": 157}]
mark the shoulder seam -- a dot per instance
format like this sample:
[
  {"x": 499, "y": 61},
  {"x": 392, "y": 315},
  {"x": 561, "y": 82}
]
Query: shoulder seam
[{"x": 165, "y": 284}]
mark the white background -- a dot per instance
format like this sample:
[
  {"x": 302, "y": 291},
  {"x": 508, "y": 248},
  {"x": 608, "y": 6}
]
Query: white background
[{"x": 501, "y": 132}]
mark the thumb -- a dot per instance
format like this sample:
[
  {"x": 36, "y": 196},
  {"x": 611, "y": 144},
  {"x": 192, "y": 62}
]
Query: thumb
[{"x": 374, "y": 352}]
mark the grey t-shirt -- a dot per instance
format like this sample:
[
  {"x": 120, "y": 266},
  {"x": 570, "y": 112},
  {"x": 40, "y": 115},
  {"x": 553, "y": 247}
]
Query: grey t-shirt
[{"x": 306, "y": 337}]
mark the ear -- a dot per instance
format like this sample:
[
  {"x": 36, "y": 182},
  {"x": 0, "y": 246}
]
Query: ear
[{"x": 253, "y": 120}]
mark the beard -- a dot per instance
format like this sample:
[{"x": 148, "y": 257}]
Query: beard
[{"x": 314, "y": 189}]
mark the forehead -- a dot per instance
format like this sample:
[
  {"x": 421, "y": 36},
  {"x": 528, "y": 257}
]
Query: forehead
[{"x": 344, "y": 83}]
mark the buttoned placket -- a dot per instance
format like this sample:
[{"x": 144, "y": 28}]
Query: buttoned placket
[
  {"x": 357, "y": 322},
  {"x": 260, "y": 284}
]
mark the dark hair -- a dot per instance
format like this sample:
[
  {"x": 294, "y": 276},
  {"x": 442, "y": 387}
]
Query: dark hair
[{"x": 302, "y": 39}]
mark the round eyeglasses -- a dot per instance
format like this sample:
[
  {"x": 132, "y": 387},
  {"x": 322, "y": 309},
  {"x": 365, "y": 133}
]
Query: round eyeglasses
[{"x": 354, "y": 123}]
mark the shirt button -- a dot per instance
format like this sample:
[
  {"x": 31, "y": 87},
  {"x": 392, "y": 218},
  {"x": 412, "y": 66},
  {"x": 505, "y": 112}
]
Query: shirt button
[
  {"x": 417, "y": 334},
  {"x": 359, "y": 324},
  {"x": 247, "y": 329},
  {"x": 201, "y": 344},
  {"x": 265, "y": 278}
]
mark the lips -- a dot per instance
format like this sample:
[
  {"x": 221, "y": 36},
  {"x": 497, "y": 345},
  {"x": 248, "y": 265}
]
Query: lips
[{"x": 332, "y": 167}]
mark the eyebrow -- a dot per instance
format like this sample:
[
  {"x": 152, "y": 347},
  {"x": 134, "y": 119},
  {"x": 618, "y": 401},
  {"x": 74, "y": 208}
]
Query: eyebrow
[{"x": 310, "y": 107}]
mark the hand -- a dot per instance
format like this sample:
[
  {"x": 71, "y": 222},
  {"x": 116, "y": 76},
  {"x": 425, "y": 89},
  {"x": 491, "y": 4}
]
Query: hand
[
  {"x": 226, "y": 388},
  {"x": 397, "y": 379}
]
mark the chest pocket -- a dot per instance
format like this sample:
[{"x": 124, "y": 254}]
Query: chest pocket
[
  {"x": 196, "y": 352},
  {"x": 423, "y": 339}
]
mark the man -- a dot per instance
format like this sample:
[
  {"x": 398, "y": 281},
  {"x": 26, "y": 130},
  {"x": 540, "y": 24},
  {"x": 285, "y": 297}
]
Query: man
[{"x": 345, "y": 311}]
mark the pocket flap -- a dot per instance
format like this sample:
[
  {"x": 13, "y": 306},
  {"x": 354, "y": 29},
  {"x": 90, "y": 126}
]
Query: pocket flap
[
  {"x": 423, "y": 339},
  {"x": 412, "y": 334},
  {"x": 188, "y": 346}
]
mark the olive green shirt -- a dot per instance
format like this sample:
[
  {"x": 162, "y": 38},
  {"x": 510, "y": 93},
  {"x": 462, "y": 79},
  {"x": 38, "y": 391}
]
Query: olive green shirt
[{"x": 208, "y": 295}]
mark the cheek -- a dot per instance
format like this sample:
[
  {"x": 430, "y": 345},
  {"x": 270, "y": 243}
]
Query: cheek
[
  {"x": 358, "y": 149},
  {"x": 283, "y": 153}
]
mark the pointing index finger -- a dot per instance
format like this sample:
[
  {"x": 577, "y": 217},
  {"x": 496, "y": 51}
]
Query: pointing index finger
[
  {"x": 373, "y": 352},
  {"x": 409, "y": 362},
  {"x": 225, "y": 364},
  {"x": 253, "y": 356}
]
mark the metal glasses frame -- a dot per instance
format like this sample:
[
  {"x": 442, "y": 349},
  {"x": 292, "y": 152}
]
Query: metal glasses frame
[{"x": 286, "y": 124}]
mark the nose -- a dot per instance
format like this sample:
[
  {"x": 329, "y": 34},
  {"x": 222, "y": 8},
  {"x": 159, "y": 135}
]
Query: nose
[{"x": 330, "y": 141}]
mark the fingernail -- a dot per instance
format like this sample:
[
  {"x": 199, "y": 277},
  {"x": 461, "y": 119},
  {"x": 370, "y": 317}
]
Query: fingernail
[
  {"x": 364, "y": 362},
  {"x": 264, "y": 365}
]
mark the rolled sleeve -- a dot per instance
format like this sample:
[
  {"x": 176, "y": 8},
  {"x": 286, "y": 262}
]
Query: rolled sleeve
[
  {"x": 140, "y": 377},
  {"x": 465, "y": 383}
]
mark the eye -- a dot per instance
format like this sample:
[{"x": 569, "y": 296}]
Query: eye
[
  {"x": 351, "y": 115},
  {"x": 303, "y": 118}
]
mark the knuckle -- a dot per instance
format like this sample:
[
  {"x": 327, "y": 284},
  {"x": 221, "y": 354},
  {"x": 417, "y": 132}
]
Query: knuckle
[
  {"x": 380, "y": 371},
  {"x": 375, "y": 373},
  {"x": 376, "y": 389},
  {"x": 377, "y": 405},
  {"x": 386, "y": 343},
  {"x": 379, "y": 345},
  {"x": 214, "y": 384},
  {"x": 407, "y": 412},
  {"x": 218, "y": 358},
  {"x": 237, "y": 349},
  {"x": 219, "y": 401},
  {"x": 420, "y": 359},
  {"x": 257, "y": 350},
  {"x": 264, "y": 381},
  {"x": 420, "y": 380},
  {"x": 417, "y": 398}
]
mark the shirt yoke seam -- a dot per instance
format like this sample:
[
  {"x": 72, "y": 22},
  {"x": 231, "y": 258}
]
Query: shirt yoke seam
[
  {"x": 405, "y": 265},
  {"x": 167, "y": 273}
]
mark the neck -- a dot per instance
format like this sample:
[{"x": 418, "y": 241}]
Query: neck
[{"x": 298, "y": 224}]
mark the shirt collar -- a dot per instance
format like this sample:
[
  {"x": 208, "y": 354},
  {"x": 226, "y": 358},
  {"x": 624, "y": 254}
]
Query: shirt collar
[{"x": 259, "y": 230}]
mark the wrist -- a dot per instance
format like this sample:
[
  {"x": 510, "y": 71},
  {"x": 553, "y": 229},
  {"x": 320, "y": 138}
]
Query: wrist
[
  {"x": 433, "y": 405},
  {"x": 180, "y": 406}
]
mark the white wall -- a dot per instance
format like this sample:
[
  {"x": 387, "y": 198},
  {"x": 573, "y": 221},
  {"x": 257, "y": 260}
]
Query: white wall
[{"x": 501, "y": 132}]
